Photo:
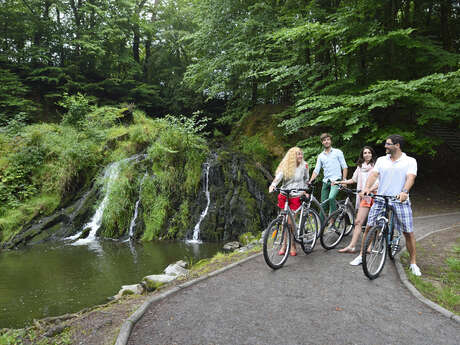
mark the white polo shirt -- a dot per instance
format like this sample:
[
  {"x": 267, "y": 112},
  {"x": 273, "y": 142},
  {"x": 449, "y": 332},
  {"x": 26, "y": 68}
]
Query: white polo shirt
[{"x": 392, "y": 174}]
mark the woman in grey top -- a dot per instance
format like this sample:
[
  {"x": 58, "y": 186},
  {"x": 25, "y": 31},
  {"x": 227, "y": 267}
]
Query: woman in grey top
[{"x": 293, "y": 171}]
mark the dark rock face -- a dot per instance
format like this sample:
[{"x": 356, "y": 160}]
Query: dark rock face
[
  {"x": 239, "y": 203},
  {"x": 239, "y": 198},
  {"x": 62, "y": 223}
]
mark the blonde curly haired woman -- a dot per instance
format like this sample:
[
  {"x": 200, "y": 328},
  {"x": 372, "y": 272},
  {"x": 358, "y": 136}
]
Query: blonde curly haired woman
[{"x": 293, "y": 171}]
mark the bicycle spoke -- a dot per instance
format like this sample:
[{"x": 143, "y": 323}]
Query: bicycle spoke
[
  {"x": 333, "y": 230},
  {"x": 276, "y": 239},
  {"x": 374, "y": 260}
]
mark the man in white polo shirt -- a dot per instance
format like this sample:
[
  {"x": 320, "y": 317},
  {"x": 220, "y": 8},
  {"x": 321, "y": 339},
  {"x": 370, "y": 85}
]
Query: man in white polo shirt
[{"x": 396, "y": 172}]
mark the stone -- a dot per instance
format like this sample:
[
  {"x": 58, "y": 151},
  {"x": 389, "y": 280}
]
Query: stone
[
  {"x": 231, "y": 245},
  {"x": 175, "y": 270},
  {"x": 154, "y": 281},
  {"x": 130, "y": 290},
  {"x": 181, "y": 263}
]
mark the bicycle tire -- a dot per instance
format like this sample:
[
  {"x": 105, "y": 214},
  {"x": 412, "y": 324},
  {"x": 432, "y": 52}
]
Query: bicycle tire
[
  {"x": 309, "y": 228},
  {"x": 393, "y": 247},
  {"x": 350, "y": 216},
  {"x": 350, "y": 220},
  {"x": 274, "y": 237},
  {"x": 374, "y": 261},
  {"x": 316, "y": 205},
  {"x": 333, "y": 230}
]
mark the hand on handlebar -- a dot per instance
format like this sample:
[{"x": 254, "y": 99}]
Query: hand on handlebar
[
  {"x": 271, "y": 188},
  {"x": 402, "y": 196},
  {"x": 365, "y": 192}
]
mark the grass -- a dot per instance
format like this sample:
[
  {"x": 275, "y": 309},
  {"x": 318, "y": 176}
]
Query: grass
[
  {"x": 32, "y": 336},
  {"x": 440, "y": 280},
  {"x": 218, "y": 261}
]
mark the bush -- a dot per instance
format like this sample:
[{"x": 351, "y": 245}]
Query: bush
[{"x": 77, "y": 107}]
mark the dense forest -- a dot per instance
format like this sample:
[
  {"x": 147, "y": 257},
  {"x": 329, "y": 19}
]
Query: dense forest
[{"x": 360, "y": 69}]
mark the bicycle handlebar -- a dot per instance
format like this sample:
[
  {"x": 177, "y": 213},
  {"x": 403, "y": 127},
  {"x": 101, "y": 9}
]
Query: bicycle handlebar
[
  {"x": 348, "y": 190},
  {"x": 288, "y": 191},
  {"x": 387, "y": 197}
]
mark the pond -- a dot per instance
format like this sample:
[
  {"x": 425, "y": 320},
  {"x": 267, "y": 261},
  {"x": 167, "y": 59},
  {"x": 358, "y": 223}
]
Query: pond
[{"x": 56, "y": 278}]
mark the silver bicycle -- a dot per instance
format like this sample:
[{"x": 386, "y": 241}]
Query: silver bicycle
[{"x": 303, "y": 227}]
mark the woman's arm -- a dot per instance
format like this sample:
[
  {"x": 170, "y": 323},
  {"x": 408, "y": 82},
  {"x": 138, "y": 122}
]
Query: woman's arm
[{"x": 275, "y": 182}]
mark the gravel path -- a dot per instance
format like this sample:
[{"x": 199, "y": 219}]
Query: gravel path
[{"x": 314, "y": 299}]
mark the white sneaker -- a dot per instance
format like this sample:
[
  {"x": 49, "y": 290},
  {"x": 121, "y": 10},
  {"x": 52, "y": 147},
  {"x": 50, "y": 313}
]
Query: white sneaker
[
  {"x": 415, "y": 270},
  {"x": 357, "y": 261}
]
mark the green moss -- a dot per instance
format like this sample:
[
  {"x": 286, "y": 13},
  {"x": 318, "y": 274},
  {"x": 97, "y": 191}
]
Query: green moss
[
  {"x": 12, "y": 221},
  {"x": 151, "y": 285},
  {"x": 155, "y": 212},
  {"x": 121, "y": 201}
]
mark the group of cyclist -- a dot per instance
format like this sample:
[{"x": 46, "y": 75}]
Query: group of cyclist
[{"x": 393, "y": 175}]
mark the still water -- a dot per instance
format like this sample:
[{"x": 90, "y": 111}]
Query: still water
[{"x": 56, "y": 278}]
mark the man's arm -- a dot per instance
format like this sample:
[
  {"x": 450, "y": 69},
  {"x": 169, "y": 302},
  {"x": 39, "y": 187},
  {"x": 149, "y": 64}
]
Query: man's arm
[
  {"x": 316, "y": 171},
  {"x": 343, "y": 165},
  {"x": 410, "y": 179},
  {"x": 370, "y": 182}
]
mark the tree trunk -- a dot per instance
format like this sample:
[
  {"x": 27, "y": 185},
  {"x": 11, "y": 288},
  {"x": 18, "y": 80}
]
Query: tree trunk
[
  {"x": 446, "y": 9},
  {"x": 148, "y": 45}
]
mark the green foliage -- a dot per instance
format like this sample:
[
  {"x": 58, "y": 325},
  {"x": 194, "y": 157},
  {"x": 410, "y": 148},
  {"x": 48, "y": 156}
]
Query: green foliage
[
  {"x": 253, "y": 147},
  {"x": 77, "y": 107},
  {"x": 32, "y": 336},
  {"x": 13, "y": 97},
  {"x": 382, "y": 109}
]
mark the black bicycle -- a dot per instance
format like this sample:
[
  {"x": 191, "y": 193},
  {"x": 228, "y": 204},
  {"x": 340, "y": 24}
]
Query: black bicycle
[
  {"x": 339, "y": 222},
  {"x": 304, "y": 227},
  {"x": 381, "y": 239}
]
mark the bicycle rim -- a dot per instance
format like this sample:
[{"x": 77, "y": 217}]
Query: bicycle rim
[
  {"x": 308, "y": 231},
  {"x": 276, "y": 237},
  {"x": 350, "y": 221},
  {"x": 333, "y": 230},
  {"x": 394, "y": 245},
  {"x": 374, "y": 253}
]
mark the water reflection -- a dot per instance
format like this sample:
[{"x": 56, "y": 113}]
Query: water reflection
[{"x": 54, "y": 279}]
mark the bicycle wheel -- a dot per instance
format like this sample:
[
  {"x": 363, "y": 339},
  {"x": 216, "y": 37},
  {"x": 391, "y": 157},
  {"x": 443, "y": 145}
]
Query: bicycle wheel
[
  {"x": 374, "y": 252},
  {"x": 309, "y": 228},
  {"x": 333, "y": 229},
  {"x": 350, "y": 220},
  {"x": 394, "y": 247},
  {"x": 276, "y": 236},
  {"x": 315, "y": 204}
]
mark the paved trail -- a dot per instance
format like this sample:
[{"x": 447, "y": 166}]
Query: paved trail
[{"x": 314, "y": 299}]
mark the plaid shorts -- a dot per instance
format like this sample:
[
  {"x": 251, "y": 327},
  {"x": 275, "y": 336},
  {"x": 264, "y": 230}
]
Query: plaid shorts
[{"x": 402, "y": 212}]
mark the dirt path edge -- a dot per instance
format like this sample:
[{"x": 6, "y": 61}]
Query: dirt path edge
[{"x": 413, "y": 290}]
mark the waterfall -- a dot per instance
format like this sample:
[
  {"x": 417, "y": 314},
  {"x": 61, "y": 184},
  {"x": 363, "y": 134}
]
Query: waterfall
[
  {"x": 196, "y": 230},
  {"x": 136, "y": 210},
  {"x": 110, "y": 176}
]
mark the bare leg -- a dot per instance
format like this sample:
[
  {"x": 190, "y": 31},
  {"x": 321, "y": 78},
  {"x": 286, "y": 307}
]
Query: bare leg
[
  {"x": 291, "y": 229},
  {"x": 362, "y": 240},
  {"x": 360, "y": 218},
  {"x": 410, "y": 244}
]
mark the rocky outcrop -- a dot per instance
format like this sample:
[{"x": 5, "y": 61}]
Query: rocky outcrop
[
  {"x": 240, "y": 201},
  {"x": 58, "y": 225}
]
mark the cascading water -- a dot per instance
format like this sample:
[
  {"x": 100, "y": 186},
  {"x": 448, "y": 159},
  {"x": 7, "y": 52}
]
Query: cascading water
[
  {"x": 110, "y": 175},
  {"x": 196, "y": 230},
  {"x": 136, "y": 210}
]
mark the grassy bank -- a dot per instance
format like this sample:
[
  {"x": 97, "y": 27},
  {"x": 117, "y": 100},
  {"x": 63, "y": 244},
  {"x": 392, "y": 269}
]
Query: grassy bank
[{"x": 439, "y": 259}]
